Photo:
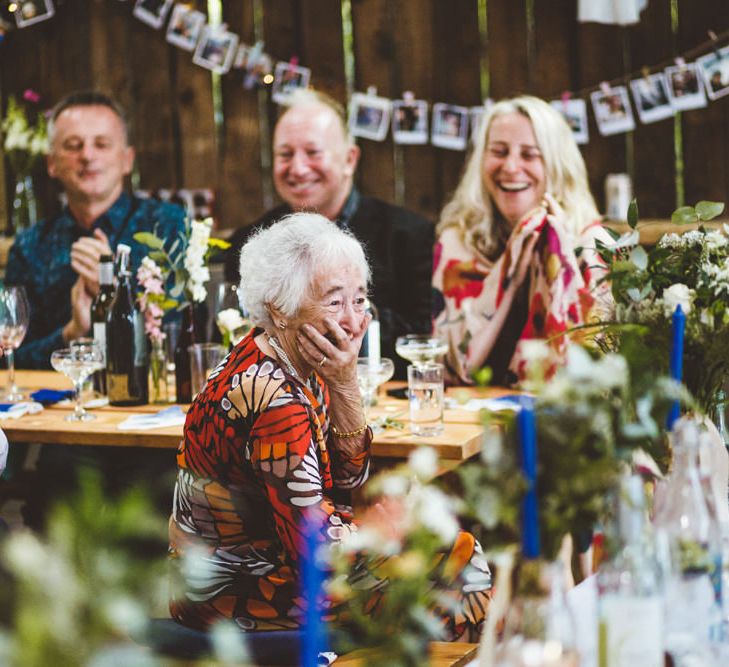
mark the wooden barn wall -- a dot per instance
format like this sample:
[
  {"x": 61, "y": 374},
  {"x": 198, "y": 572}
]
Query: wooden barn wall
[{"x": 455, "y": 51}]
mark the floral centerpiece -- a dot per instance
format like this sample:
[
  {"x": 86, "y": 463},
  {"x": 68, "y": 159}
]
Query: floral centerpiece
[
  {"x": 24, "y": 143},
  {"x": 690, "y": 270},
  {"x": 392, "y": 601},
  {"x": 174, "y": 274}
]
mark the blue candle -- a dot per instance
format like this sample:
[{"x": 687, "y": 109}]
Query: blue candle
[
  {"x": 314, "y": 640},
  {"x": 676, "y": 359},
  {"x": 527, "y": 426}
]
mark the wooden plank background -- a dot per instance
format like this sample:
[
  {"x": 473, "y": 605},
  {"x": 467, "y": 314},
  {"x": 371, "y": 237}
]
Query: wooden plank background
[{"x": 456, "y": 52}]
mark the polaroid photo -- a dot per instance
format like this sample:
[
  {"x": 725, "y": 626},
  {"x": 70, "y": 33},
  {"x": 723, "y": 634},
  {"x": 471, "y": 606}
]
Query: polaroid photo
[
  {"x": 613, "y": 112},
  {"x": 685, "y": 87},
  {"x": 256, "y": 66},
  {"x": 650, "y": 94},
  {"x": 450, "y": 126},
  {"x": 476, "y": 116},
  {"x": 152, "y": 12},
  {"x": 185, "y": 27},
  {"x": 714, "y": 68},
  {"x": 410, "y": 122},
  {"x": 574, "y": 112},
  {"x": 215, "y": 49},
  {"x": 33, "y": 11},
  {"x": 286, "y": 79},
  {"x": 369, "y": 116}
]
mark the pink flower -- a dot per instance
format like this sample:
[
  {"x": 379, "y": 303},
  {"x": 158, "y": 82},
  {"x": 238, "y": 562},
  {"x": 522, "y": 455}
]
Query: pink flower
[{"x": 30, "y": 95}]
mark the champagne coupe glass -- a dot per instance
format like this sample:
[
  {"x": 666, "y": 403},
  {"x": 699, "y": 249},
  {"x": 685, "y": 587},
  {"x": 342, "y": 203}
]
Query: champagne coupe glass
[
  {"x": 78, "y": 362},
  {"x": 14, "y": 317},
  {"x": 421, "y": 349},
  {"x": 371, "y": 373}
]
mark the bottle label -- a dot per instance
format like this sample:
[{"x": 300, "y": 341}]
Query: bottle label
[
  {"x": 117, "y": 384},
  {"x": 140, "y": 340},
  {"x": 99, "y": 333},
  {"x": 631, "y": 631}
]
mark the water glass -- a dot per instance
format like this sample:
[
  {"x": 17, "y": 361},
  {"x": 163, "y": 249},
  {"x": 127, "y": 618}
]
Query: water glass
[
  {"x": 204, "y": 357},
  {"x": 425, "y": 393}
]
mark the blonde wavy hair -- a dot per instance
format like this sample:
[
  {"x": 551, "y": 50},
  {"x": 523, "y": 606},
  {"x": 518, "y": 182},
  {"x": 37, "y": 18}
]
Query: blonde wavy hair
[{"x": 471, "y": 209}]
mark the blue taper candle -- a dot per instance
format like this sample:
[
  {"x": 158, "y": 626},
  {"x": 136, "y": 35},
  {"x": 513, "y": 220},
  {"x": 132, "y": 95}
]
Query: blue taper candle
[
  {"x": 314, "y": 640},
  {"x": 676, "y": 359},
  {"x": 527, "y": 425}
]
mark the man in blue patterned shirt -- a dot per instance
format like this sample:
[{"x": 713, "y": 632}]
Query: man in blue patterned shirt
[{"x": 57, "y": 260}]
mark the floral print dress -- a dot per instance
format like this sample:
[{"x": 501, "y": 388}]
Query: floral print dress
[
  {"x": 253, "y": 461},
  {"x": 473, "y": 297}
]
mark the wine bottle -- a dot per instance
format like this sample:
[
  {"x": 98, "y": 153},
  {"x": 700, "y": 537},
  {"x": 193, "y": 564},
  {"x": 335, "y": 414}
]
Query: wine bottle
[
  {"x": 127, "y": 359},
  {"x": 99, "y": 313},
  {"x": 183, "y": 373}
]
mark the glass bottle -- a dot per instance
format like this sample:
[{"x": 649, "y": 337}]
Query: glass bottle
[
  {"x": 183, "y": 373},
  {"x": 100, "y": 312},
  {"x": 159, "y": 392},
  {"x": 630, "y": 609},
  {"x": 720, "y": 417},
  {"x": 126, "y": 344},
  {"x": 688, "y": 552}
]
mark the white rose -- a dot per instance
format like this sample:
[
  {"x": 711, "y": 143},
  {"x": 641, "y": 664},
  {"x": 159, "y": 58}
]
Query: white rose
[
  {"x": 424, "y": 462},
  {"x": 229, "y": 320},
  {"x": 677, "y": 295}
]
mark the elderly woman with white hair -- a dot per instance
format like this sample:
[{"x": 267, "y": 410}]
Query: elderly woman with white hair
[
  {"x": 515, "y": 257},
  {"x": 277, "y": 433}
]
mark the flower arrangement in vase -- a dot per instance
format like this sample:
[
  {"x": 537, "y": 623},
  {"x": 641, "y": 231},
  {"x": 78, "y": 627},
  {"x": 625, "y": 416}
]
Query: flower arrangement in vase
[
  {"x": 175, "y": 274},
  {"x": 24, "y": 142},
  {"x": 690, "y": 270}
]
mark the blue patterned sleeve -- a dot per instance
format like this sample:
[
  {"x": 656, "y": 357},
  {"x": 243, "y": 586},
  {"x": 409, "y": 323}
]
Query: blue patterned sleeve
[{"x": 36, "y": 352}]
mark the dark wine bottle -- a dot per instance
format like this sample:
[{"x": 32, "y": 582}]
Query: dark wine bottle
[
  {"x": 127, "y": 359},
  {"x": 183, "y": 373},
  {"x": 100, "y": 312}
]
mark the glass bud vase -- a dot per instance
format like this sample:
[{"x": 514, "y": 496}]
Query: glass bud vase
[
  {"x": 539, "y": 626},
  {"x": 23, "y": 213},
  {"x": 158, "y": 389}
]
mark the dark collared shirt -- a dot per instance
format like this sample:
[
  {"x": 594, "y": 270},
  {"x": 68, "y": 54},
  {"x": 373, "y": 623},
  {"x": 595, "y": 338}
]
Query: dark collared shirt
[{"x": 40, "y": 259}]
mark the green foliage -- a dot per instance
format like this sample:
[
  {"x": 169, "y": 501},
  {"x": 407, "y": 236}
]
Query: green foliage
[
  {"x": 633, "y": 214},
  {"x": 702, "y": 212},
  {"x": 98, "y": 573}
]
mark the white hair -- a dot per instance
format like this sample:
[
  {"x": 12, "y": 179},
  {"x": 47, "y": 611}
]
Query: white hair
[{"x": 279, "y": 264}]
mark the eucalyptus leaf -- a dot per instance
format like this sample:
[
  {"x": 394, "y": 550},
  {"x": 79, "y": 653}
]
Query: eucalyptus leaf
[
  {"x": 639, "y": 257},
  {"x": 708, "y": 210},
  {"x": 158, "y": 256},
  {"x": 684, "y": 215},
  {"x": 149, "y": 239},
  {"x": 633, "y": 213}
]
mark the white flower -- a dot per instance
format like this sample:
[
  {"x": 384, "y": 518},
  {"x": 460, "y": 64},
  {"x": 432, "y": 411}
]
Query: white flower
[
  {"x": 611, "y": 371},
  {"x": 195, "y": 258},
  {"x": 715, "y": 240},
  {"x": 434, "y": 511},
  {"x": 424, "y": 462},
  {"x": 534, "y": 351},
  {"x": 677, "y": 295},
  {"x": 580, "y": 366},
  {"x": 229, "y": 320},
  {"x": 394, "y": 485}
]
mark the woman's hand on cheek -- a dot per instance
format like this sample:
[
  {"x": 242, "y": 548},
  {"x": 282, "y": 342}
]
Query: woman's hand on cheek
[{"x": 337, "y": 349}]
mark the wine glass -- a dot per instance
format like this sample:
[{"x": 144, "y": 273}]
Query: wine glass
[
  {"x": 421, "y": 349},
  {"x": 14, "y": 317},
  {"x": 371, "y": 373},
  {"x": 77, "y": 362}
]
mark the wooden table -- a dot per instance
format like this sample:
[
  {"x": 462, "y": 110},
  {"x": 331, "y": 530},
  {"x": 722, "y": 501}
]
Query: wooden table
[
  {"x": 442, "y": 654},
  {"x": 460, "y": 440}
]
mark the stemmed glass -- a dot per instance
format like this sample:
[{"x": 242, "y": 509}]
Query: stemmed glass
[
  {"x": 421, "y": 349},
  {"x": 14, "y": 317},
  {"x": 371, "y": 373},
  {"x": 78, "y": 362}
]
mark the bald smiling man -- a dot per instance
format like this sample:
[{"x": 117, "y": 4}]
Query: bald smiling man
[{"x": 314, "y": 162}]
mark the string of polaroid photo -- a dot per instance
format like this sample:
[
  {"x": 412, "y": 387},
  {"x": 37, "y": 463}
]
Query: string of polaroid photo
[{"x": 658, "y": 92}]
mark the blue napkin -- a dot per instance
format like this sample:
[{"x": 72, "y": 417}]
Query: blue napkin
[{"x": 49, "y": 396}]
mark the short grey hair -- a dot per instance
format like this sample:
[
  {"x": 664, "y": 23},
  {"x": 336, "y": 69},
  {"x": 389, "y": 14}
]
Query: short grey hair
[
  {"x": 89, "y": 98},
  {"x": 279, "y": 263}
]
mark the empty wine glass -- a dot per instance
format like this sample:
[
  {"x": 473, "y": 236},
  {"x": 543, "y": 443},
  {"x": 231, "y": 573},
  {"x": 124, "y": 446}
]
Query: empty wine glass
[
  {"x": 14, "y": 317},
  {"x": 371, "y": 373},
  {"x": 78, "y": 362},
  {"x": 421, "y": 349}
]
